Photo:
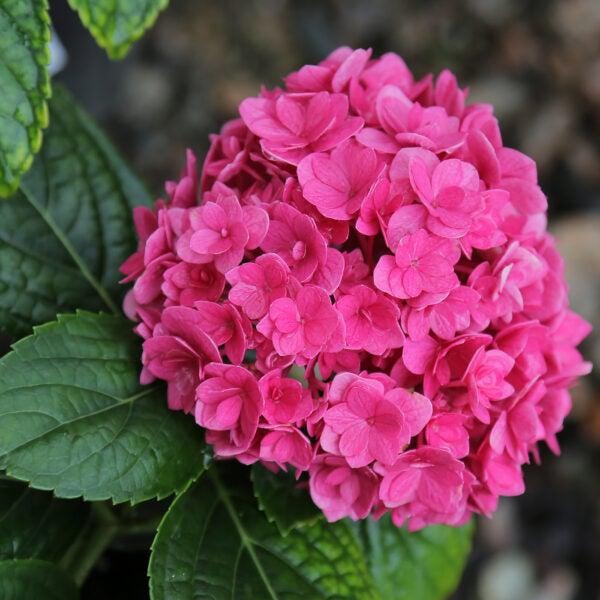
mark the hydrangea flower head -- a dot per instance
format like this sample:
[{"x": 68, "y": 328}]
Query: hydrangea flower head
[{"x": 360, "y": 286}]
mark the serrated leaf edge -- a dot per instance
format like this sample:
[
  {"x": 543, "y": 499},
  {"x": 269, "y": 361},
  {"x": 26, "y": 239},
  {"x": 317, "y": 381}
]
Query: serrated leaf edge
[
  {"x": 284, "y": 531},
  {"x": 120, "y": 51},
  {"x": 42, "y": 330}
]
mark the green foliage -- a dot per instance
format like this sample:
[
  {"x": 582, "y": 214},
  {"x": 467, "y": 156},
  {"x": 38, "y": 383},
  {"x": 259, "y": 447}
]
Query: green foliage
[
  {"x": 24, "y": 58},
  {"x": 34, "y": 524},
  {"x": 116, "y": 24},
  {"x": 34, "y": 580},
  {"x": 426, "y": 564},
  {"x": 24, "y": 86},
  {"x": 282, "y": 499},
  {"x": 215, "y": 543},
  {"x": 64, "y": 235},
  {"x": 74, "y": 418}
]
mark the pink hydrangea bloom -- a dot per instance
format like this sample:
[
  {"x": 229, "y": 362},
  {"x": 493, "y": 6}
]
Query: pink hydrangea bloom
[
  {"x": 284, "y": 444},
  {"x": 406, "y": 123},
  {"x": 291, "y": 126},
  {"x": 223, "y": 229},
  {"x": 444, "y": 314},
  {"x": 369, "y": 423},
  {"x": 448, "y": 432},
  {"x": 340, "y": 491},
  {"x": 360, "y": 286},
  {"x": 254, "y": 285},
  {"x": 186, "y": 283},
  {"x": 177, "y": 353},
  {"x": 337, "y": 183},
  {"x": 450, "y": 195},
  {"x": 485, "y": 378},
  {"x": 427, "y": 485},
  {"x": 422, "y": 263},
  {"x": 184, "y": 193},
  {"x": 306, "y": 324},
  {"x": 356, "y": 271},
  {"x": 146, "y": 223},
  {"x": 226, "y": 327},
  {"x": 297, "y": 240},
  {"x": 378, "y": 207},
  {"x": 372, "y": 320},
  {"x": 518, "y": 425},
  {"x": 501, "y": 475},
  {"x": 334, "y": 73},
  {"x": 286, "y": 401},
  {"x": 228, "y": 406},
  {"x": 338, "y": 362}
]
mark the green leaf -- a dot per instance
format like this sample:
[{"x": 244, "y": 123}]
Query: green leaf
[
  {"x": 24, "y": 86},
  {"x": 215, "y": 543},
  {"x": 282, "y": 499},
  {"x": 34, "y": 524},
  {"x": 116, "y": 24},
  {"x": 34, "y": 580},
  {"x": 426, "y": 564},
  {"x": 65, "y": 233},
  {"x": 74, "y": 418}
]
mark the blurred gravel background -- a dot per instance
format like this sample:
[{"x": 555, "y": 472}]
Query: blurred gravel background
[{"x": 538, "y": 61}]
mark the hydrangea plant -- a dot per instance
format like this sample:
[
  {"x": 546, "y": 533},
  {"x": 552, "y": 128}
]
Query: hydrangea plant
[{"x": 351, "y": 332}]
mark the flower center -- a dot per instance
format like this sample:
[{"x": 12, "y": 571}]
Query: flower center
[
  {"x": 363, "y": 313},
  {"x": 224, "y": 232},
  {"x": 199, "y": 276},
  {"x": 299, "y": 251}
]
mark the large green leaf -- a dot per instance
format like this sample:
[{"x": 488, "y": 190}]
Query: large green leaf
[
  {"x": 426, "y": 564},
  {"x": 74, "y": 418},
  {"x": 116, "y": 24},
  {"x": 34, "y": 580},
  {"x": 65, "y": 233},
  {"x": 285, "y": 502},
  {"x": 24, "y": 86},
  {"x": 34, "y": 524},
  {"x": 215, "y": 543}
]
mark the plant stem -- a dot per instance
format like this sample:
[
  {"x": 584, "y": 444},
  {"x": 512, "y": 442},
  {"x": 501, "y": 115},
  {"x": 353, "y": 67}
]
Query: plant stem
[
  {"x": 141, "y": 528},
  {"x": 100, "y": 539}
]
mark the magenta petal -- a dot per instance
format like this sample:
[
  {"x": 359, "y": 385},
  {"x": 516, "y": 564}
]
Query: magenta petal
[
  {"x": 378, "y": 140},
  {"x": 417, "y": 354},
  {"x": 405, "y": 220},
  {"x": 385, "y": 448},
  {"x": 227, "y": 413},
  {"x": 207, "y": 241},
  {"x": 382, "y": 273},
  {"x": 399, "y": 489},
  {"x": 415, "y": 408},
  {"x": 412, "y": 282},
  {"x": 256, "y": 221},
  {"x": 354, "y": 443},
  {"x": 419, "y": 179}
]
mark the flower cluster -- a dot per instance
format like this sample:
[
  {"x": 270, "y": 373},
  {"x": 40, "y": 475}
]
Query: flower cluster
[{"x": 360, "y": 286}]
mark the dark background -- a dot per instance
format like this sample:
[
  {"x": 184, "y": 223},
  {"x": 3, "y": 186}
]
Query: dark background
[{"x": 537, "y": 61}]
